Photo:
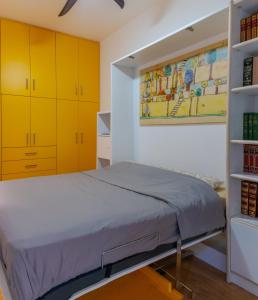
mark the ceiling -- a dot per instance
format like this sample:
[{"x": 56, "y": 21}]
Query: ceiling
[{"x": 93, "y": 19}]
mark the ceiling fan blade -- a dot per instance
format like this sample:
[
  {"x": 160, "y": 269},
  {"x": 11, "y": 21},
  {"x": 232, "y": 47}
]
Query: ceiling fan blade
[
  {"x": 121, "y": 3},
  {"x": 69, "y": 4}
]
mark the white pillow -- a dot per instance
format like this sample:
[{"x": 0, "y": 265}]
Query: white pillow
[{"x": 215, "y": 183}]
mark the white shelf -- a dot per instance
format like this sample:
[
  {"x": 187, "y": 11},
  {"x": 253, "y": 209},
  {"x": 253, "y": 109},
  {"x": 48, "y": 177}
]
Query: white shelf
[
  {"x": 249, "y": 47},
  {"x": 104, "y": 123},
  {"x": 250, "y": 90},
  {"x": 245, "y": 176},
  {"x": 245, "y": 219},
  {"x": 244, "y": 142}
]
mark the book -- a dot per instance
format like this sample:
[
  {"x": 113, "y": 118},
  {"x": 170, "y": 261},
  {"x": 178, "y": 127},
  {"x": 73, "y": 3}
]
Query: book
[
  {"x": 246, "y": 158},
  {"x": 252, "y": 199},
  {"x": 245, "y": 126},
  {"x": 256, "y": 159},
  {"x": 255, "y": 126},
  {"x": 255, "y": 70},
  {"x": 254, "y": 26},
  {"x": 248, "y": 71},
  {"x": 249, "y": 28},
  {"x": 244, "y": 197},
  {"x": 251, "y": 159},
  {"x": 250, "y": 126},
  {"x": 243, "y": 30}
]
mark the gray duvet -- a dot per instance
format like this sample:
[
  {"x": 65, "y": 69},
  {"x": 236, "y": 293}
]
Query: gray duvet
[{"x": 55, "y": 228}]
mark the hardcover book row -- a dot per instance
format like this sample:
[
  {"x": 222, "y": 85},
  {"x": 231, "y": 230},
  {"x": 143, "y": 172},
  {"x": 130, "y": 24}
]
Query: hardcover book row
[
  {"x": 250, "y": 126},
  {"x": 249, "y": 28},
  {"x": 249, "y": 198}
]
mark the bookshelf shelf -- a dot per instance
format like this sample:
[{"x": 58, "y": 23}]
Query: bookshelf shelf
[
  {"x": 244, "y": 142},
  {"x": 249, "y": 47},
  {"x": 245, "y": 176},
  {"x": 246, "y": 220},
  {"x": 251, "y": 90}
]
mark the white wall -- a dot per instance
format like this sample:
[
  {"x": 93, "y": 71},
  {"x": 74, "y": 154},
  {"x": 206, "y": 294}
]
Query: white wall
[
  {"x": 184, "y": 147},
  {"x": 192, "y": 148}
]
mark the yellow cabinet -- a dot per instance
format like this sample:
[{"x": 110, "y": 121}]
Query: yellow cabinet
[
  {"x": 43, "y": 71},
  {"x": 43, "y": 122},
  {"x": 28, "y": 122},
  {"x": 15, "y": 121},
  {"x": 67, "y": 66},
  {"x": 88, "y": 70},
  {"x": 15, "y": 58},
  {"x": 87, "y": 132},
  {"x": 67, "y": 136}
]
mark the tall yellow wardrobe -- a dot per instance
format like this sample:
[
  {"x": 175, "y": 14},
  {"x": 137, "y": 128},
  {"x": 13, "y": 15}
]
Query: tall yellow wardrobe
[{"x": 49, "y": 97}]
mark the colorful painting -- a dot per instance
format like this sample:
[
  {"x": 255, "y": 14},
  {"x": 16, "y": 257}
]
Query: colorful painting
[{"x": 192, "y": 89}]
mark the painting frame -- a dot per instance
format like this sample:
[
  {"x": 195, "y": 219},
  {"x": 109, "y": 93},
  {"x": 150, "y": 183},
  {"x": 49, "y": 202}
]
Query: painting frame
[{"x": 218, "y": 101}]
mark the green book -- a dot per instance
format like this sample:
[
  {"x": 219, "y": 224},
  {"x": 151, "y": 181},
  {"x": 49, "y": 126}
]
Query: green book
[
  {"x": 255, "y": 127},
  {"x": 250, "y": 126},
  {"x": 245, "y": 126}
]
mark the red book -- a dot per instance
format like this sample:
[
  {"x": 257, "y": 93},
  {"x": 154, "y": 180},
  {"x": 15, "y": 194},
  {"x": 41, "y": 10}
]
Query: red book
[
  {"x": 251, "y": 158},
  {"x": 248, "y": 28},
  {"x": 256, "y": 159},
  {"x": 243, "y": 30},
  {"x": 246, "y": 158},
  {"x": 254, "y": 26},
  {"x": 244, "y": 197}
]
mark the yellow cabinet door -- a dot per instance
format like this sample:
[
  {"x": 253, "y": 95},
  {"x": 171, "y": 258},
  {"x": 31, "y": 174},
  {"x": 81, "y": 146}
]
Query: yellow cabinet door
[
  {"x": 15, "y": 58},
  {"x": 67, "y": 66},
  {"x": 67, "y": 136},
  {"x": 15, "y": 121},
  {"x": 42, "y": 55},
  {"x": 88, "y": 70},
  {"x": 87, "y": 132},
  {"x": 43, "y": 122}
]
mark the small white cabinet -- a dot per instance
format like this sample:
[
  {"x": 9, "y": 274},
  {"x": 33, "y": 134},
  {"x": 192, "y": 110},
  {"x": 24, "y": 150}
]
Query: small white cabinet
[{"x": 244, "y": 245}]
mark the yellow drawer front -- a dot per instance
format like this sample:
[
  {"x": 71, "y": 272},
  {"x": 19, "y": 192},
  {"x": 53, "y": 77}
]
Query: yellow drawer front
[
  {"x": 9, "y": 154},
  {"x": 32, "y": 165},
  {"x": 27, "y": 175}
]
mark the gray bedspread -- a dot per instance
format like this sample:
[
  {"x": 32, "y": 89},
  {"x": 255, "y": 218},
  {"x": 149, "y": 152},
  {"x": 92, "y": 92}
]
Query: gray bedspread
[
  {"x": 55, "y": 228},
  {"x": 199, "y": 208}
]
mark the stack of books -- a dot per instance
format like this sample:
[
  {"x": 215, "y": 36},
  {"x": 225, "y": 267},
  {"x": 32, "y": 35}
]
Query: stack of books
[
  {"x": 249, "y": 198},
  {"x": 249, "y": 28},
  {"x": 250, "y": 126},
  {"x": 251, "y": 159},
  {"x": 250, "y": 72}
]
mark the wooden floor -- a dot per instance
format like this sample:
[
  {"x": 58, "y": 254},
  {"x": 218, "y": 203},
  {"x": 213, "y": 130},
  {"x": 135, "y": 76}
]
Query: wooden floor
[{"x": 209, "y": 283}]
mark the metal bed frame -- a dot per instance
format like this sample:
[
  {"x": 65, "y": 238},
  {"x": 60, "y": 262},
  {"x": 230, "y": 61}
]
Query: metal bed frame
[{"x": 178, "y": 251}]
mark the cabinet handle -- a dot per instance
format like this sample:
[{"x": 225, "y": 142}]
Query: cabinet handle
[
  {"x": 30, "y": 153},
  {"x": 27, "y": 83},
  {"x": 31, "y": 166},
  {"x": 34, "y": 138},
  {"x": 76, "y": 137},
  {"x": 27, "y": 139},
  {"x": 82, "y": 137},
  {"x": 34, "y": 84},
  {"x": 76, "y": 91}
]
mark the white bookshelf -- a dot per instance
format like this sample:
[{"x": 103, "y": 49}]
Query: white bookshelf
[
  {"x": 242, "y": 230},
  {"x": 104, "y": 148}
]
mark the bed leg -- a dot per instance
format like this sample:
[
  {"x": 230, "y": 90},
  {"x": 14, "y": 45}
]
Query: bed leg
[{"x": 178, "y": 264}]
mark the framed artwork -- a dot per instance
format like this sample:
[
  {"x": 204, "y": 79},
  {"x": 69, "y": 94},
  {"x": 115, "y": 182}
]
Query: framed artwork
[{"x": 190, "y": 89}]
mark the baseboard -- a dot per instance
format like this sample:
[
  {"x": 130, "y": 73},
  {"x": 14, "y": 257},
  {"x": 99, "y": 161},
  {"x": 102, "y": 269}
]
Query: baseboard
[
  {"x": 243, "y": 283},
  {"x": 211, "y": 256}
]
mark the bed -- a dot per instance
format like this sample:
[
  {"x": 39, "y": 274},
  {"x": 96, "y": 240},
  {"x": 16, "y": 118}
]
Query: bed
[{"x": 58, "y": 228}]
